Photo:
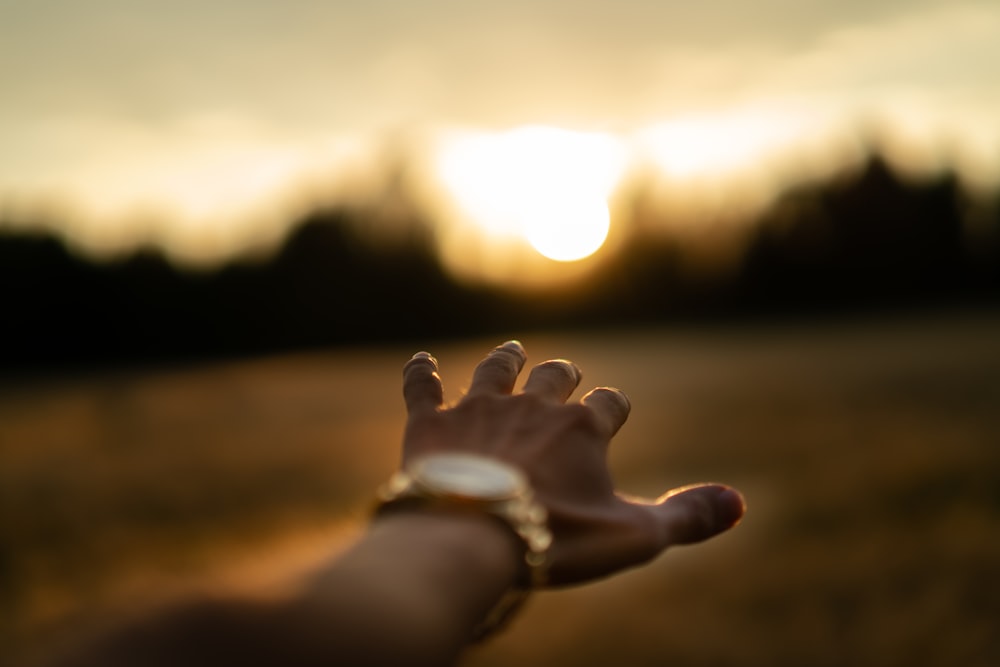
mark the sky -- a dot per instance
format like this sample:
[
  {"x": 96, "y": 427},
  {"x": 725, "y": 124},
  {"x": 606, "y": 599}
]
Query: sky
[{"x": 202, "y": 126}]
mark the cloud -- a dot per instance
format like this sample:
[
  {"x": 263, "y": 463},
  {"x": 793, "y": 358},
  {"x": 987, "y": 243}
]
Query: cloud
[{"x": 123, "y": 105}]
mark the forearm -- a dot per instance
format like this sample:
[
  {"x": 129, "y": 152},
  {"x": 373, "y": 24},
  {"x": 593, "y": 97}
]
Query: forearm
[
  {"x": 410, "y": 592},
  {"x": 414, "y": 589}
]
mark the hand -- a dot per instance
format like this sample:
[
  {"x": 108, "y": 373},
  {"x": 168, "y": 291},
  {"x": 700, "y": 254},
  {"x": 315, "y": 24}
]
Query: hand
[{"x": 562, "y": 449}]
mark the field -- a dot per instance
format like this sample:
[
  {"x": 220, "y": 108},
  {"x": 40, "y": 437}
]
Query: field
[{"x": 869, "y": 453}]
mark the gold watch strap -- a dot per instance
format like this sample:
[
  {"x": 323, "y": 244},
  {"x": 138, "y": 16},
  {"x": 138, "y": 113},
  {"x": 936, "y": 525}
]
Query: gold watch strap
[
  {"x": 522, "y": 514},
  {"x": 525, "y": 516}
]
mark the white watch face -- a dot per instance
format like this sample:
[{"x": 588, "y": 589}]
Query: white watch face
[{"x": 468, "y": 476}]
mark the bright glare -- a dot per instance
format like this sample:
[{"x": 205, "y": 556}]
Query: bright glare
[
  {"x": 566, "y": 229},
  {"x": 546, "y": 186},
  {"x": 716, "y": 144}
]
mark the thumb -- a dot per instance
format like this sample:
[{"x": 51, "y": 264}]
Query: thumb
[{"x": 695, "y": 513}]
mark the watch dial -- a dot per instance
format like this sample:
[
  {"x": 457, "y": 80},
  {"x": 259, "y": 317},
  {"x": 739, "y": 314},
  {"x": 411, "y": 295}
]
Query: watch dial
[{"x": 468, "y": 475}]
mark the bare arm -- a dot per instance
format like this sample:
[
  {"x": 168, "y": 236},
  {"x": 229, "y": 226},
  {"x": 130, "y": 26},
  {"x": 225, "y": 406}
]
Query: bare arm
[{"x": 414, "y": 587}]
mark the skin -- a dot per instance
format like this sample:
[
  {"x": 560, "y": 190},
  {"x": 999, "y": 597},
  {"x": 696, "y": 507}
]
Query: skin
[
  {"x": 415, "y": 586},
  {"x": 563, "y": 449}
]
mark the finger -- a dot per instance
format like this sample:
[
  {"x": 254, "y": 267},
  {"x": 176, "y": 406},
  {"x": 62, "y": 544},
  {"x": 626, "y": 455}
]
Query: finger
[
  {"x": 611, "y": 407},
  {"x": 696, "y": 513},
  {"x": 555, "y": 379},
  {"x": 422, "y": 389},
  {"x": 497, "y": 373}
]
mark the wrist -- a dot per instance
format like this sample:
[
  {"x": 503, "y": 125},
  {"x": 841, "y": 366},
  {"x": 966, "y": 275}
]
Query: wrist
[
  {"x": 483, "y": 492},
  {"x": 464, "y": 563},
  {"x": 481, "y": 485},
  {"x": 463, "y": 543}
]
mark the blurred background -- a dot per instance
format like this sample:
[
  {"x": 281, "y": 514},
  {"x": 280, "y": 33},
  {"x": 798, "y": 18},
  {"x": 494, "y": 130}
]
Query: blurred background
[{"x": 225, "y": 227}]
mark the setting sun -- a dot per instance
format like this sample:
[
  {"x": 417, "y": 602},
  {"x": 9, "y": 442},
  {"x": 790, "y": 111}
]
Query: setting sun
[{"x": 541, "y": 185}]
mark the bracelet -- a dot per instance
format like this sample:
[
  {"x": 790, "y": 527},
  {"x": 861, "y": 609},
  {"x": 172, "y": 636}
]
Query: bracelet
[{"x": 479, "y": 484}]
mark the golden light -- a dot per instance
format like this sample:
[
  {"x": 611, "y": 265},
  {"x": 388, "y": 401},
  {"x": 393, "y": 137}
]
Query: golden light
[
  {"x": 716, "y": 145},
  {"x": 712, "y": 173},
  {"x": 565, "y": 229},
  {"x": 543, "y": 186}
]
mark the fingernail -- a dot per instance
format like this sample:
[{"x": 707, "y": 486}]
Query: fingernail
[
  {"x": 624, "y": 397},
  {"x": 514, "y": 346},
  {"x": 573, "y": 368},
  {"x": 731, "y": 505},
  {"x": 424, "y": 355}
]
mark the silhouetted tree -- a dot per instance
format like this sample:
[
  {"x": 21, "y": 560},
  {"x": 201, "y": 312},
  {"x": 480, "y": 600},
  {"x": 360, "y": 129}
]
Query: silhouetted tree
[
  {"x": 862, "y": 239},
  {"x": 866, "y": 239}
]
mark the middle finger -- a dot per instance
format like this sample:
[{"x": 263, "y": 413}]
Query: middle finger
[
  {"x": 497, "y": 373},
  {"x": 555, "y": 379}
]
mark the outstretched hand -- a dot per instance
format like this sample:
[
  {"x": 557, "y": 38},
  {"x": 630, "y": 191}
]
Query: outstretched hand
[
  {"x": 417, "y": 587},
  {"x": 562, "y": 449}
]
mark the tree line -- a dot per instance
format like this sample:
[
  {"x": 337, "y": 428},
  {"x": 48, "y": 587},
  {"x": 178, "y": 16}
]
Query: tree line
[{"x": 867, "y": 240}]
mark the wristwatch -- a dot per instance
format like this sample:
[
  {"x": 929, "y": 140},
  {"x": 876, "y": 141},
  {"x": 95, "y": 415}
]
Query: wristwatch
[{"x": 479, "y": 484}]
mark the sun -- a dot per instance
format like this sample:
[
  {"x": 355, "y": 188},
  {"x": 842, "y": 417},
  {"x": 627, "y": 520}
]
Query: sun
[
  {"x": 566, "y": 229},
  {"x": 546, "y": 186}
]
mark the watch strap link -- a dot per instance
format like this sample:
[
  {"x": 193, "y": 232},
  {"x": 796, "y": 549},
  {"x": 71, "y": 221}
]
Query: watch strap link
[{"x": 522, "y": 514}]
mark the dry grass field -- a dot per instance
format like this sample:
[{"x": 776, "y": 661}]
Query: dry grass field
[{"x": 869, "y": 453}]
